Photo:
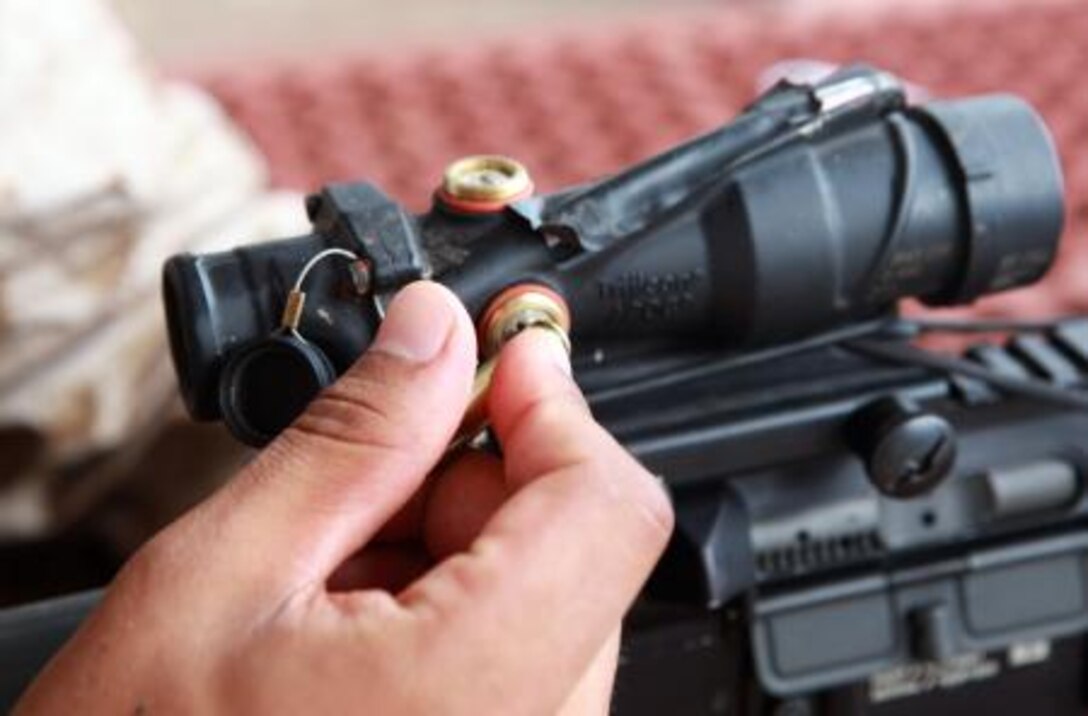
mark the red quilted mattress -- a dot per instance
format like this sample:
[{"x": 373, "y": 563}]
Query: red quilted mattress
[{"x": 578, "y": 105}]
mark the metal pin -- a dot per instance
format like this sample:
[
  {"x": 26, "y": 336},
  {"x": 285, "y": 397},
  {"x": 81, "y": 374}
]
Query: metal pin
[{"x": 292, "y": 310}]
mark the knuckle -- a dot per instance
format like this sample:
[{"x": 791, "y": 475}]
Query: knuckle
[
  {"x": 152, "y": 564},
  {"x": 555, "y": 413},
  {"x": 655, "y": 505},
  {"x": 460, "y": 580},
  {"x": 641, "y": 493},
  {"x": 368, "y": 605},
  {"x": 141, "y": 567},
  {"x": 470, "y": 574},
  {"x": 577, "y": 443},
  {"x": 547, "y": 435},
  {"x": 360, "y": 408}
]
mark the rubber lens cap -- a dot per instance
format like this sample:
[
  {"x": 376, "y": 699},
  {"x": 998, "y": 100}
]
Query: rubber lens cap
[{"x": 267, "y": 384}]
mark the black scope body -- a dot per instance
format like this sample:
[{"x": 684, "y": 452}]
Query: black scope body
[{"x": 820, "y": 205}]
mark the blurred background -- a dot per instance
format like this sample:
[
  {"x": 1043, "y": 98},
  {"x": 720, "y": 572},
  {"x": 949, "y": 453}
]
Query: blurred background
[
  {"x": 136, "y": 129},
  {"x": 244, "y": 29}
]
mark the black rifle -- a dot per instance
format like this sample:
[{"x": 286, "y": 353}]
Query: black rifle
[{"x": 863, "y": 526}]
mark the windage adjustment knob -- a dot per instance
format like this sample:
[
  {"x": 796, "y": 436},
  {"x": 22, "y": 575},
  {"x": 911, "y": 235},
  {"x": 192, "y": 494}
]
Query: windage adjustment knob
[{"x": 907, "y": 451}]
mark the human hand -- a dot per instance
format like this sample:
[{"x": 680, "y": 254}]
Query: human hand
[{"x": 332, "y": 574}]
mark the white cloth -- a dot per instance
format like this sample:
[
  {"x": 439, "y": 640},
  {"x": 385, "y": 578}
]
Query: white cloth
[{"x": 106, "y": 169}]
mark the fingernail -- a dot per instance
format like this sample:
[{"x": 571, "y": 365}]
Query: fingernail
[
  {"x": 417, "y": 323},
  {"x": 551, "y": 346}
]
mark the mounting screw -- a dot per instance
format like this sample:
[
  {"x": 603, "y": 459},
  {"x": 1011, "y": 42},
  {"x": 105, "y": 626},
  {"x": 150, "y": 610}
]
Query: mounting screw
[{"x": 907, "y": 451}]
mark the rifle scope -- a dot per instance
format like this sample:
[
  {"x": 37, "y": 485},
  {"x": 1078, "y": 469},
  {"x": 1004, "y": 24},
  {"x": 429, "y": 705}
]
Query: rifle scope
[{"x": 818, "y": 206}]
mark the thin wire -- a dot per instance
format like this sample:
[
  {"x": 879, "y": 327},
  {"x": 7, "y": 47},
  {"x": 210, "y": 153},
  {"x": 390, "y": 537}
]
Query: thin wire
[
  {"x": 316, "y": 258},
  {"x": 734, "y": 361},
  {"x": 859, "y": 338},
  {"x": 983, "y": 325},
  {"x": 908, "y": 354},
  {"x": 297, "y": 292}
]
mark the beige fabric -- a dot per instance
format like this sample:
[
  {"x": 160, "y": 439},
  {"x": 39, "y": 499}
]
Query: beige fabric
[{"x": 106, "y": 169}]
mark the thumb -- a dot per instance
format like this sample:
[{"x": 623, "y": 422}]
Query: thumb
[
  {"x": 360, "y": 450},
  {"x": 583, "y": 527}
]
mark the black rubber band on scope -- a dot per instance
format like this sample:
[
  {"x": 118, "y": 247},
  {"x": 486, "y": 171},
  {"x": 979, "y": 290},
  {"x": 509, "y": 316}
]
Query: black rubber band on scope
[{"x": 267, "y": 384}]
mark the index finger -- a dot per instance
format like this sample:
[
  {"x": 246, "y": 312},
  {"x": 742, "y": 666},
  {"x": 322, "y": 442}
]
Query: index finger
[{"x": 558, "y": 565}]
